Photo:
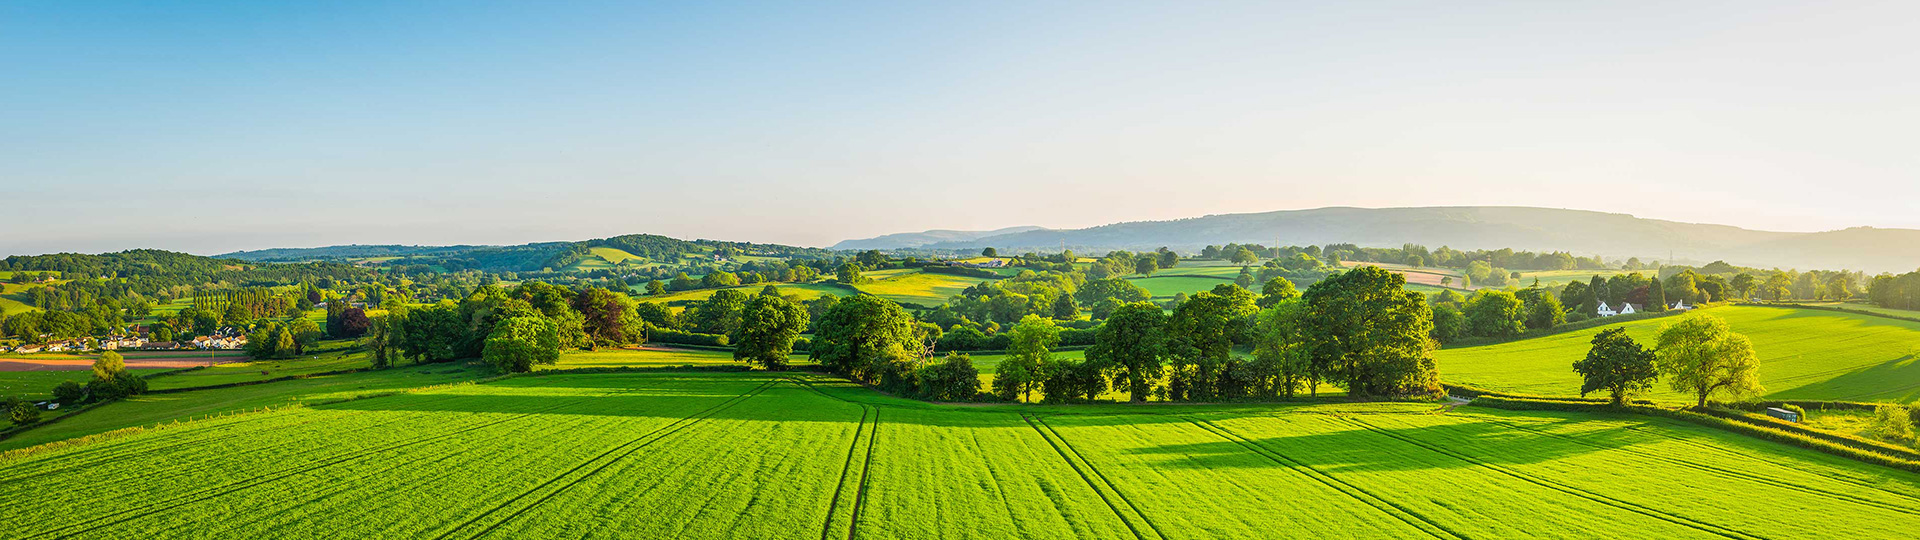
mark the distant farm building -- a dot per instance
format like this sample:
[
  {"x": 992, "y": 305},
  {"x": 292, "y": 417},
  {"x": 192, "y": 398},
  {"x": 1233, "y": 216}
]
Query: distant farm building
[{"x": 1625, "y": 309}]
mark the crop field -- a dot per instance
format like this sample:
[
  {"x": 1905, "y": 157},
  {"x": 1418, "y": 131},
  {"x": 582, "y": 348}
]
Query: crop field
[
  {"x": 1164, "y": 287},
  {"x": 756, "y": 455},
  {"x": 1428, "y": 278},
  {"x": 1223, "y": 271},
  {"x": 799, "y": 291},
  {"x": 1558, "y": 278},
  {"x": 919, "y": 287},
  {"x": 1804, "y": 354},
  {"x": 155, "y": 408}
]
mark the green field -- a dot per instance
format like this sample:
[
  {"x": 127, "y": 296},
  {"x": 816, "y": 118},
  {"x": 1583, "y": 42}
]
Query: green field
[
  {"x": 38, "y": 385},
  {"x": 800, "y": 291},
  {"x": 338, "y": 357},
  {"x": 1869, "y": 308},
  {"x": 13, "y": 298},
  {"x": 755, "y": 455},
  {"x": 1804, "y": 354},
  {"x": 1225, "y": 271},
  {"x": 151, "y": 409},
  {"x": 1164, "y": 287},
  {"x": 1559, "y": 278},
  {"x": 915, "y": 287}
]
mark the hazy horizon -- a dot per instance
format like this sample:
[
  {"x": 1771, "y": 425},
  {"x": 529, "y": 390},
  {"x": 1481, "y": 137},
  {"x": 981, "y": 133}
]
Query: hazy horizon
[{"x": 213, "y": 128}]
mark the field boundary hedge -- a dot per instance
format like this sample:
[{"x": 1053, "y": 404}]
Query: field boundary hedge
[
  {"x": 261, "y": 381},
  {"x": 962, "y": 271},
  {"x": 1789, "y": 434},
  {"x": 1475, "y": 392},
  {"x": 677, "y": 337}
]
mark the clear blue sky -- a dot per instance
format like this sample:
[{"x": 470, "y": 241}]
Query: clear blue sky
[{"x": 240, "y": 125}]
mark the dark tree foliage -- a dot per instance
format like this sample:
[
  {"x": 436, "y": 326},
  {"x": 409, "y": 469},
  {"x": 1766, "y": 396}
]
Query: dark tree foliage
[
  {"x": 1133, "y": 340},
  {"x": 1617, "y": 365},
  {"x": 353, "y": 323},
  {"x": 1370, "y": 333}
]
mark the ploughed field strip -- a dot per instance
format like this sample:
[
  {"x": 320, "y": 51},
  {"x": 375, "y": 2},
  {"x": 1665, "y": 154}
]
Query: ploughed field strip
[{"x": 755, "y": 455}]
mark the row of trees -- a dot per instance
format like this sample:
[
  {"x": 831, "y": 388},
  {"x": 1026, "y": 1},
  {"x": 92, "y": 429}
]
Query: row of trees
[
  {"x": 512, "y": 329},
  {"x": 1358, "y": 329},
  {"x": 1895, "y": 291}
]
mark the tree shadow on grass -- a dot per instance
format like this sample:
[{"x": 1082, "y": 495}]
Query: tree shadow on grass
[
  {"x": 1343, "y": 446},
  {"x": 1893, "y": 380}
]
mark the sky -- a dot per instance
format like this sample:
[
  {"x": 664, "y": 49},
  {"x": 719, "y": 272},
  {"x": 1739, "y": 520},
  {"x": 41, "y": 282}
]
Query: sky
[{"x": 221, "y": 126}]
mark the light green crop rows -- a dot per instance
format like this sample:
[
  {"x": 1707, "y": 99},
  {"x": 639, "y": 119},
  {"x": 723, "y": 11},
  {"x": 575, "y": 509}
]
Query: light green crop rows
[
  {"x": 756, "y": 455},
  {"x": 1804, "y": 354}
]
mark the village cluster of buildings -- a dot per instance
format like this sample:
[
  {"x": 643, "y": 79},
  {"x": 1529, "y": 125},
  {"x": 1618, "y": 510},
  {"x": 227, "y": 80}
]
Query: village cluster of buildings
[
  {"x": 225, "y": 339},
  {"x": 991, "y": 263},
  {"x": 1629, "y": 309}
]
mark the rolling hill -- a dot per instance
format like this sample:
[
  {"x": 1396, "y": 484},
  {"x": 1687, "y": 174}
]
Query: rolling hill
[
  {"x": 1489, "y": 227},
  {"x": 922, "y": 238}
]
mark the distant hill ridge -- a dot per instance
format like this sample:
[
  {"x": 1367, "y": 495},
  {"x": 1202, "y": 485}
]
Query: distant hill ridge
[
  {"x": 1581, "y": 232},
  {"x": 922, "y": 238},
  {"x": 523, "y": 257}
]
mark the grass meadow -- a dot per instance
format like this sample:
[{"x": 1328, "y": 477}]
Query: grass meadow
[
  {"x": 916, "y": 287},
  {"x": 38, "y": 385},
  {"x": 794, "y": 291},
  {"x": 759, "y": 455},
  {"x": 1163, "y": 287},
  {"x": 1804, "y": 354}
]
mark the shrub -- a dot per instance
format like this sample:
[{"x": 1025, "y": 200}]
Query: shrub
[
  {"x": 20, "y": 411},
  {"x": 964, "y": 338},
  {"x": 120, "y": 385},
  {"x": 1078, "y": 337},
  {"x": 68, "y": 392},
  {"x": 1892, "y": 423},
  {"x": 952, "y": 379},
  {"x": 662, "y": 335}
]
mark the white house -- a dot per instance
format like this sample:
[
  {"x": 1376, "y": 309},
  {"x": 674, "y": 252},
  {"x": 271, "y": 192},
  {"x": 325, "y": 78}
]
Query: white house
[{"x": 1625, "y": 309}]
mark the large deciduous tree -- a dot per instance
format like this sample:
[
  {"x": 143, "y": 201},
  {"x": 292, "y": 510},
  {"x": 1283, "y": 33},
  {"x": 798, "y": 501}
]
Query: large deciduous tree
[
  {"x": 768, "y": 326},
  {"x": 1617, "y": 365},
  {"x": 1495, "y": 314},
  {"x": 518, "y": 343},
  {"x": 1701, "y": 355},
  {"x": 1371, "y": 333},
  {"x": 1134, "y": 341},
  {"x": 1029, "y": 354},
  {"x": 607, "y": 318},
  {"x": 859, "y": 333}
]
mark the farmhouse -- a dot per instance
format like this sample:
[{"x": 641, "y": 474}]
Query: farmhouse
[
  {"x": 116, "y": 342},
  {"x": 1625, "y": 309}
]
